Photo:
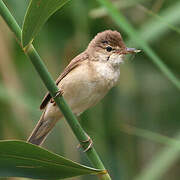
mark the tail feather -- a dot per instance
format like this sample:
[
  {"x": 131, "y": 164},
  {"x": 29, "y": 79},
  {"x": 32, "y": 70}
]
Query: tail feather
[{"x": 41, "y": 130}]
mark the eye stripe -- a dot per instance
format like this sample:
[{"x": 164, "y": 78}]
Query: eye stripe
[{"x": 105, "y": 42}]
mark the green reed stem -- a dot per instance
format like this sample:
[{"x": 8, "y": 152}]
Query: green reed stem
[{"x": 52, "y": 88}]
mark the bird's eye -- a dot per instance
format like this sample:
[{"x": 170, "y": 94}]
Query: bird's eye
[{"x": 109, "y": 49}]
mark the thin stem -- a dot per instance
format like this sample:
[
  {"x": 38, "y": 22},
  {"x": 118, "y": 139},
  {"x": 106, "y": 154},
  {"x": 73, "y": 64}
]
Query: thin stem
[{"x": 52, "y": 88}]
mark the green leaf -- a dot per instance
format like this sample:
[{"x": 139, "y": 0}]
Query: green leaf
[
  {"x": 21, "y": 159},
  {"x": 37, "y": 14}
]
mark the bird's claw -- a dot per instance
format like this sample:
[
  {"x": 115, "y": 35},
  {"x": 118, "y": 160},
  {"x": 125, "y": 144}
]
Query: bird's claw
[
  {"x": 58, "y": 93},
  {"x": 89, "y": 140}
]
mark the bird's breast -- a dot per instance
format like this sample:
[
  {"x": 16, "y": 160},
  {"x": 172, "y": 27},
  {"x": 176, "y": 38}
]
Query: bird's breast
[
  {"x": 107, "y": 74},
  {"x": 87, "y": 84}
]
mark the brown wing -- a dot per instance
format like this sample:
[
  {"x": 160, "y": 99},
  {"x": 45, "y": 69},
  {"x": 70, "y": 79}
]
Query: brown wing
[{"x": 74, "y": 63}]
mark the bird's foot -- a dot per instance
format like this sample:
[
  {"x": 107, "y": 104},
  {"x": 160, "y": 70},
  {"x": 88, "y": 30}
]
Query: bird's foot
[
  {"x": 89, "y": 140},
  {"x": 58, "y": 93}
]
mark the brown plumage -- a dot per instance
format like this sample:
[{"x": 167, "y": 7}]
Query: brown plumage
[
  {"x": 110, "y": 37},
  {"x": 85, "y": 81},
  {"x": 74, "y": 63}
]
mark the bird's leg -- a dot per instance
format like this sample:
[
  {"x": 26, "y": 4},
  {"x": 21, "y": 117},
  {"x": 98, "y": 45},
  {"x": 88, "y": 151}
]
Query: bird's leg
[{"x": 89, "y": 140}]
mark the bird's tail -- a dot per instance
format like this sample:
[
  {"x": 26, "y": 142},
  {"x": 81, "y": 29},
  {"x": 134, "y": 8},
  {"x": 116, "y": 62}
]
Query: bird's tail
[{"x": 42, "y": 129}]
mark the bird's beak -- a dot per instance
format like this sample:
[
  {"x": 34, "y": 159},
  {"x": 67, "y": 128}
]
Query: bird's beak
[
  {"x": 131, "y": 51},
  {"x": 128, "y": 51}
]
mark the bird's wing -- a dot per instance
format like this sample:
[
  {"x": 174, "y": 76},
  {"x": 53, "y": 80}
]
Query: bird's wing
[{"x": 74, "y": 63}]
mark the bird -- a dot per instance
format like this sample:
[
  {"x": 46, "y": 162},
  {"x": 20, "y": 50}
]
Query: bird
[{"x": 85, "y": 81}]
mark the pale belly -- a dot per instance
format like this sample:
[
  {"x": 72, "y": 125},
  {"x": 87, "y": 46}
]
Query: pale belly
[{"x": 85, "y": 86}]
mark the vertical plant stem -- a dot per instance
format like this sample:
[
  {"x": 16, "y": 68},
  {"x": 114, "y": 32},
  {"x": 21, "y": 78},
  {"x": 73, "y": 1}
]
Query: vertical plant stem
[{"x": 52, "y": 88}]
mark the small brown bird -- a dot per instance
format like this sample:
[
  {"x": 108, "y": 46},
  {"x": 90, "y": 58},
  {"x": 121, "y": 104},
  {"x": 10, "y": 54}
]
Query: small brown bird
[{"x": 85, "y": 81}]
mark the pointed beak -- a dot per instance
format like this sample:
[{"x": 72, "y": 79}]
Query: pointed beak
[
  {"x": 128, "y": 51},
  {"x": 131, "y": 50}
]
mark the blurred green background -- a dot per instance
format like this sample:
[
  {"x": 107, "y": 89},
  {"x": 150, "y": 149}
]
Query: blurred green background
[{"x": 136, "y": 127}]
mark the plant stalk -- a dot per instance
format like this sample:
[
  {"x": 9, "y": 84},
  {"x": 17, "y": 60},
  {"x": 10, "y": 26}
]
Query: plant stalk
[{"x": 52, "y": 88}]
